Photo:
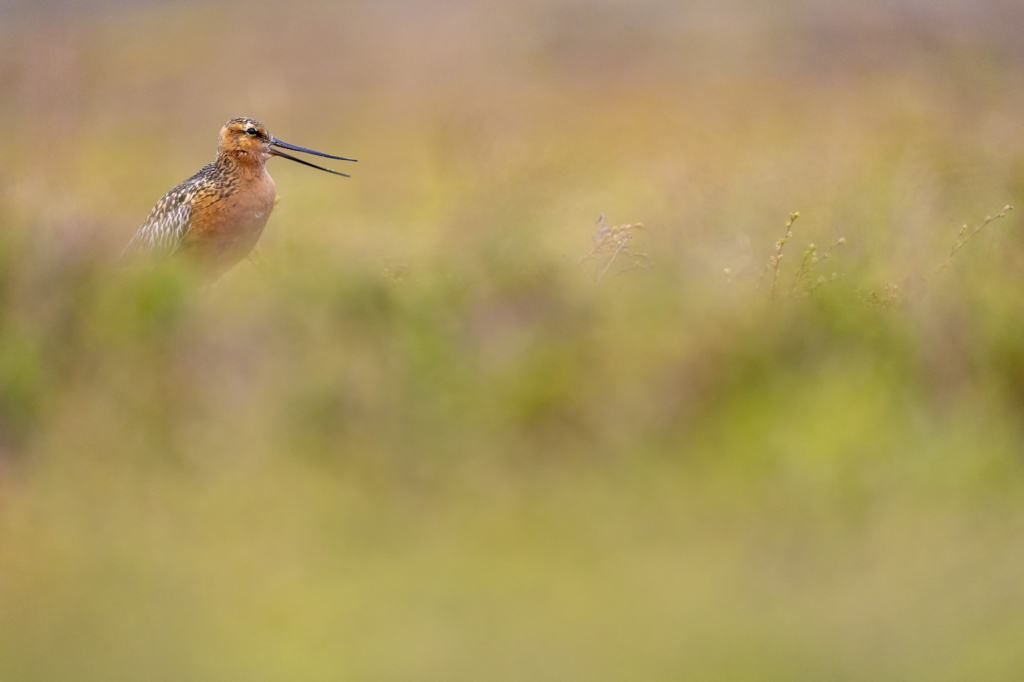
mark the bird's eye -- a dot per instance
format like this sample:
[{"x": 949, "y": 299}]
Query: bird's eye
[{"x": 251, "y": 131}]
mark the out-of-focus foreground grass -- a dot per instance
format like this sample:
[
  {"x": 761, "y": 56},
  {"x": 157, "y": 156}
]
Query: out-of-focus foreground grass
[{"x": 420, "y": 443}]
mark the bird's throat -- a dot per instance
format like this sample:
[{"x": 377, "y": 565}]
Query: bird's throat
[{"x": 240, "y": 161}]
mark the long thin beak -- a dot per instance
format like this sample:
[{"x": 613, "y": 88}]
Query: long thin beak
[
  {"x": 274, "y": 152},
  {"x": 295, "y": 148},
  {"x": 278, "y": 143}
]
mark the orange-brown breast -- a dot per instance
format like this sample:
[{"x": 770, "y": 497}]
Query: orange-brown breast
[{"x": 225, "y": 228}]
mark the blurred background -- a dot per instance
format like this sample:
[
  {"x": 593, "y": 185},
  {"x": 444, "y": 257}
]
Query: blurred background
[{"x": 452, "y": 426}]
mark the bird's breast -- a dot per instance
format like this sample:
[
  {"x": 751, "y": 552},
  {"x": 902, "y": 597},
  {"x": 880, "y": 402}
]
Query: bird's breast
[{"x": 226, "y": 228}]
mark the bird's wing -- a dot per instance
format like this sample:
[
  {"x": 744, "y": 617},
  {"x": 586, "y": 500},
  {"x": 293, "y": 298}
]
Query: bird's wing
[{"x": 164, "y": 230}]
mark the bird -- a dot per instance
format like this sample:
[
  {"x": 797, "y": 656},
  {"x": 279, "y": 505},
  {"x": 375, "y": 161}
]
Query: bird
[{"x": 215, "y": 218}]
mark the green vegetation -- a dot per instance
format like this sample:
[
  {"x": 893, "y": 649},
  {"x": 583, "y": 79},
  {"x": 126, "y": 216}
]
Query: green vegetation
[{"x": 449, "y": 428}]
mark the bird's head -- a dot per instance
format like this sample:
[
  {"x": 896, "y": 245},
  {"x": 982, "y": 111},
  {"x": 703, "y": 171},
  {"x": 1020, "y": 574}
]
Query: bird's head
[{"x": 247, "y": 140}]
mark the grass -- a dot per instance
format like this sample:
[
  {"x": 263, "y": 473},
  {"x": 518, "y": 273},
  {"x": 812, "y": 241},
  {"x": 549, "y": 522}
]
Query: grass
[{"x": 447, "y": 428}]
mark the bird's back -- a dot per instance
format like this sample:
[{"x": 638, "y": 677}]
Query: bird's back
[{"x": 163, "y": 232}]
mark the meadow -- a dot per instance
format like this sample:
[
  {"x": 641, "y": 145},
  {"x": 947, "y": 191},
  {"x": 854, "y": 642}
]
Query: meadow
[{"x": 532, "y": 396}]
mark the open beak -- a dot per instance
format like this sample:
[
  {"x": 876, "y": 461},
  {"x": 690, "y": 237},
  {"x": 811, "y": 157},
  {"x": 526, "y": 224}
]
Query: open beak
[{"x": 278, "y": 143}]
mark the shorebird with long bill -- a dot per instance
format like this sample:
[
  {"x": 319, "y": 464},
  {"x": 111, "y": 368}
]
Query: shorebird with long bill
[{"x": 216, "y": 217}]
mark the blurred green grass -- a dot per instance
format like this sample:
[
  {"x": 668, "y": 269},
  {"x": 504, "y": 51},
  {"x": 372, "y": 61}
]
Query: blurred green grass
[{"x": 418, "y": 442}]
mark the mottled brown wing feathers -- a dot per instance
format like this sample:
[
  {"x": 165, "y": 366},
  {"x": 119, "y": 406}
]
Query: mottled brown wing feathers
[{"x": 164, "y": 230}]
